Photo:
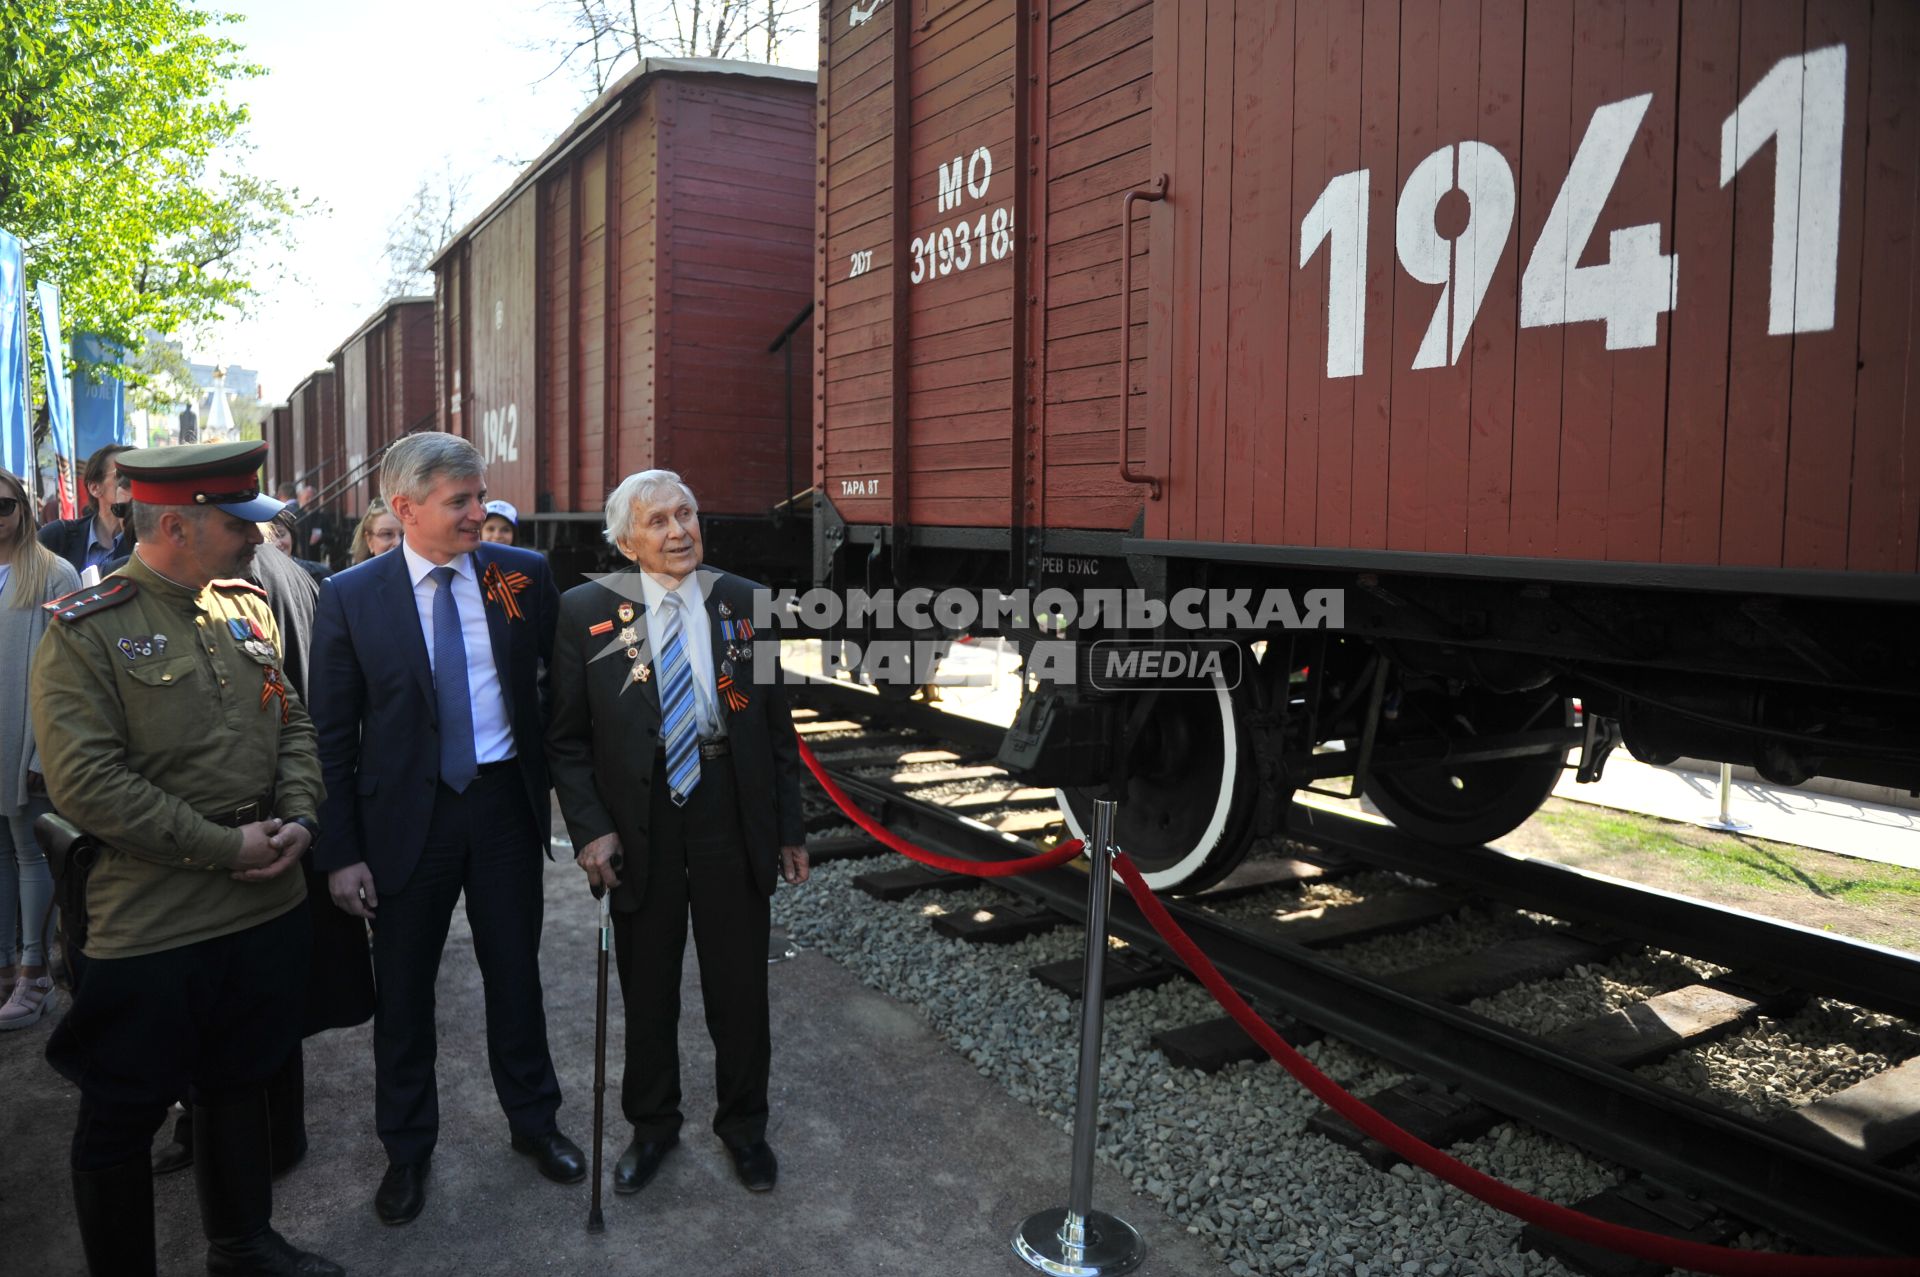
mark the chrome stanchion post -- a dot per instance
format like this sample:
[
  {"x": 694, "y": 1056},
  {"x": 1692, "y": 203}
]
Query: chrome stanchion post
[
  {"x": 1726, "y": 821},
  {"x": 1080, "y": 1241}
]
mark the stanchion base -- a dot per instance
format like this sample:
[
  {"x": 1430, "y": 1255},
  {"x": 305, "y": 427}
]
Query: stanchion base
[
  {"x": 1113, "y": 1245},
  {"x": 1728, "y": 826}
]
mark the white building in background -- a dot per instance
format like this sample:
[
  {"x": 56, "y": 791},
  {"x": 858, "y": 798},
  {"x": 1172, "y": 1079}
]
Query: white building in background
[{"x": 216, "y": 386}]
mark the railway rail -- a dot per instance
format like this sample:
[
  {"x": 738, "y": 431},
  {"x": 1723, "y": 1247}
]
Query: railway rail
[{"x": 1823, "y": 1175}]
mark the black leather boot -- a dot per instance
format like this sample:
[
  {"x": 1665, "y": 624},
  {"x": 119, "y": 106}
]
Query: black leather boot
[
  {"x": 232, "y": 1168},
  {"x": 115, "y": 1210},
  {"x": 287, "y": 1113}
]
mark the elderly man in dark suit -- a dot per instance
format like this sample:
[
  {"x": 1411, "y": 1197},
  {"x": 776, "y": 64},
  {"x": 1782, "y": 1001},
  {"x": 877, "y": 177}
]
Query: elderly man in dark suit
[
  {"x": 425, "y": 675},
  {"x": 679, "y": 778}
]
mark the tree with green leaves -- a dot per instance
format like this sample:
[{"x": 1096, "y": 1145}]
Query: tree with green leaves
[{"x": 119, "y": 164}]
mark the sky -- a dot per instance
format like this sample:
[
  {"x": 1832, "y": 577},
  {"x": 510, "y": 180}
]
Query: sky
[{"x": 364, "y": 98}]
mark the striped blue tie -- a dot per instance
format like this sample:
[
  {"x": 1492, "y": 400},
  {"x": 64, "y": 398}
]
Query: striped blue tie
[{"x": 677, "y": 713}]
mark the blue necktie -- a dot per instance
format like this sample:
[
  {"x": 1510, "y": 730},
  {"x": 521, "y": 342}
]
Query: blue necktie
[
  {"x": 676, "y": 705},
  {"x": 458, "y": 766}
]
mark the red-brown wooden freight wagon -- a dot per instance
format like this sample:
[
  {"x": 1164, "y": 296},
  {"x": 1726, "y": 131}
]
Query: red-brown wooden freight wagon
[
  {"x": 384, "y": 373},
  {"x": 280, "y": 454},
  {"x": 1571, "y": 340},
  {"x": 624, "y": 305},
  {"x": 316, "y": 430}
]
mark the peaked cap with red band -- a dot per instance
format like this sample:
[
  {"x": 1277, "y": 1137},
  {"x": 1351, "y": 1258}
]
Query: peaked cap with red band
[{"x": 225, "y": 476}]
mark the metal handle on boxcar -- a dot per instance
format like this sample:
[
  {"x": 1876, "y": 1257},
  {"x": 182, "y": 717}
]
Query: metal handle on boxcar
[{"x": 1158, "y": 191}]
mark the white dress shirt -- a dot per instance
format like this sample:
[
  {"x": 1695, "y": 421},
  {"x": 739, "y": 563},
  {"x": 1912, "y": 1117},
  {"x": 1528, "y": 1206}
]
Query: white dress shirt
[
  {"x": 492, "y": 729},
  {"x": 696, "y": 634}
]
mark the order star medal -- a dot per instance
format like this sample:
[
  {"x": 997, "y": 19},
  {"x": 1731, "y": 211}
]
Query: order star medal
[
  {"x": 640, "y": 672},
  {"x": 629, "y": 636}
]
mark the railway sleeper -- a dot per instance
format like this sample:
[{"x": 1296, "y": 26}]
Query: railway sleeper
[
  {"x": 1123, "y": 971},
  {"x": 898, "y": 884},
  {"x": 1431, "y": 1113},
  {"x": 1635, "y": 1035},
  {"x": 1211, "y": 1045},
  {"x": 998, "y": 924},
  {"x": 946, "y": 775},
  {"x": 1377, "y": 915},
  {"x": 883, "y": 753},
  {"x": 825, "y": 726},
  {"x": 1253, "y": 876},
  {"x": 1640, "y": 1203},
  {"x": 1877, "y": 1118},
  {"x": 844, "y": 847},
  {"x": 1690, "y": 1016},
  {"x": 1004, "y": 796},
  {"x": 1501, "y": 966},
  {"x": 824, "y": 818}
]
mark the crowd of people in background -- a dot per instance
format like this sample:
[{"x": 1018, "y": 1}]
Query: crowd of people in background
[{"x": 30, "y": 574}]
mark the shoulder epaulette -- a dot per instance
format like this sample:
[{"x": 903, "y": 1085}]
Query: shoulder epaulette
[
  {"x": 235, "y": 583},
  {"x": 89, "y": 599}
]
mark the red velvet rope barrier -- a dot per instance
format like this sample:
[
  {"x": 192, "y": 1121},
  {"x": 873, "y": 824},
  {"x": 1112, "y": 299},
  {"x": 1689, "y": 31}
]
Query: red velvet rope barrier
[
  {"x": 952, "y": 864},
  {"x": 1653, "y": 1247}
]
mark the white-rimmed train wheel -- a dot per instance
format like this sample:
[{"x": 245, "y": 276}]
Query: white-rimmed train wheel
[{"x": 1187, "y": 818}]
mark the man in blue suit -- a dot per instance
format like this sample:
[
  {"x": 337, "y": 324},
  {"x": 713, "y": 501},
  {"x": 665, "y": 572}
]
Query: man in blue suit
[{"x": 426, "y": 678}]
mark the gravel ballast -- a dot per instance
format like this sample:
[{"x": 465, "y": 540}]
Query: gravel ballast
[{"x": 1227, "y": 1155}]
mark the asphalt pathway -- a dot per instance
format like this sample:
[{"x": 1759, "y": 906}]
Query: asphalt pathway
[{"x": 896, "y": 1156}]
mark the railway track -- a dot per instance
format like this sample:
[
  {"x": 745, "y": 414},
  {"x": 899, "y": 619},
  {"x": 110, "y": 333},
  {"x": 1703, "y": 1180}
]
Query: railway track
[{"x": 1293, "y": 935}]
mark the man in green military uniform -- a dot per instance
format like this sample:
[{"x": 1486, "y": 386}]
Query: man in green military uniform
[{"x": 169, "y": 734}]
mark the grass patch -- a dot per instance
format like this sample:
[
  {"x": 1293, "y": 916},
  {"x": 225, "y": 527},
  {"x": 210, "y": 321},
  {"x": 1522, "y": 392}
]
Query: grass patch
[{"x": 1749, "y": 862}]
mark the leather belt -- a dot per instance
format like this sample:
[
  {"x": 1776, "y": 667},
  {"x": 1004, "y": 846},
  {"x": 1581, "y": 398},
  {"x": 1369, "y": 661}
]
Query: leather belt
[
  {"x": 245, "y": 813},
  {"x": 717, "y": 748},
  {"x": 498, "y": 765}
]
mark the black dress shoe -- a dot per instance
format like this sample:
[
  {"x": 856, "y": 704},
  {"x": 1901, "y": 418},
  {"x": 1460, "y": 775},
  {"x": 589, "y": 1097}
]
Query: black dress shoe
[
  {"x": 559, "y": 1158},
  {"x": 266, "y": 1254},
  {"x": 638, "y": 1164},
  {"x": 171, "y": 1157},
  {"x": 403, "y": 1191},
  {"x": 176, "y": 1155},
  {"x": 755, "y": 1165}
]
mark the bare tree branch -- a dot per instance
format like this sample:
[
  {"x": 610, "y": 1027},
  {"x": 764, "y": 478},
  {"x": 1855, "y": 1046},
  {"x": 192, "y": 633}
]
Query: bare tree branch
[
  {"x": 418, "y": 230},
  {"x": 599, "y": 40}
]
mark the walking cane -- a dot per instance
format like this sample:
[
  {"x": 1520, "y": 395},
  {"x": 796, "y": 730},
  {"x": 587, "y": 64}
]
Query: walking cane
[{"x": 595, "y": 1223}]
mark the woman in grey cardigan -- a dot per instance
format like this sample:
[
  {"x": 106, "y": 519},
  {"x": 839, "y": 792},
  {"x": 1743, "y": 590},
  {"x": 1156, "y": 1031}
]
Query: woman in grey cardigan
[{"x": 30, "y": 574}]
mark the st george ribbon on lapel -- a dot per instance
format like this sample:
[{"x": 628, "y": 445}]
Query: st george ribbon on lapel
[
  {"x": 458, "y": 763},
  {"x": 676, "y": 706}
]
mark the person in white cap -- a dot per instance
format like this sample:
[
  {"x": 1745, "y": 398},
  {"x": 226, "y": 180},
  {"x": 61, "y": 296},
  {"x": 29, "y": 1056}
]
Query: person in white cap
[{"x": 502, "y": 523}]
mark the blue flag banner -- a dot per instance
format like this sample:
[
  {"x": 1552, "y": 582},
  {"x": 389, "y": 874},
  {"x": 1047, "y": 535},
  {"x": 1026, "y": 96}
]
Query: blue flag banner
[
  {"x": 16, "y": 434},
  {"x": 99, "y": 402},
  {"x": 59, "y": 400}
]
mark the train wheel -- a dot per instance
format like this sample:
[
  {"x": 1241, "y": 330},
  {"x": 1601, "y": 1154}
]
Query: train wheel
[
  {"x": 1187, "y": 818},
  {"x": 1470, "y": 803}
]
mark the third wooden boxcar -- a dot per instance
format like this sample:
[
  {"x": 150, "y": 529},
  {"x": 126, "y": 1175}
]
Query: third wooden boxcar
[
  {"x": 317, "y": 443},
  {"x": 624, "y": 305},
  {"x": 279, "y": 432},
  {"x": 384, "y": 375}
]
